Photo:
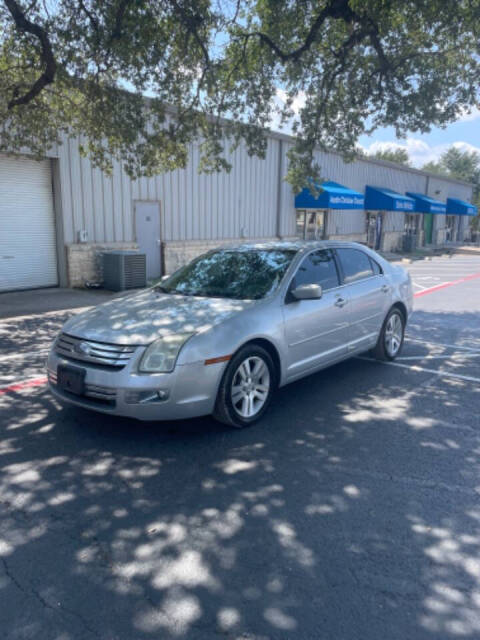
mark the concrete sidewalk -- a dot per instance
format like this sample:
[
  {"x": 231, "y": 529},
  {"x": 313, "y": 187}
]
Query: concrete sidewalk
[
  {"x": 426, "y": 253},
  {"x": 39, "y": 301}
]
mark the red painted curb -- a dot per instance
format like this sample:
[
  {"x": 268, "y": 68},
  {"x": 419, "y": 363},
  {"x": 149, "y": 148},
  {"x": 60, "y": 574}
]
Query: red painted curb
[
  {"x": 18, "y": 386},
  {"x": 445, "y": 285}
]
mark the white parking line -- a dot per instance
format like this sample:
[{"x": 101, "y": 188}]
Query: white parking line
[
  {"x": 452, "y": 356},
  {"x": 446, "y": 346},
  {"x": 440, "y": 374},
  {"x": 22, "y": 356}
]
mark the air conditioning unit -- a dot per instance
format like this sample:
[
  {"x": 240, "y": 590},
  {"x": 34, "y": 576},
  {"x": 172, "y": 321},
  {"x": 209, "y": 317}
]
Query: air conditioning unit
[{"x": 124, "y": 270}]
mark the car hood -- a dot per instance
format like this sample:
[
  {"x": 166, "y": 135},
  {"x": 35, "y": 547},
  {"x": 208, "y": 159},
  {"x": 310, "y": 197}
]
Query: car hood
[{"x": 144, "y": 317}]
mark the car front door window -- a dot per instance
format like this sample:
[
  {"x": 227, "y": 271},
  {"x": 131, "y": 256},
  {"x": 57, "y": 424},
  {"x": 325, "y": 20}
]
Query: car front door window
[
  {"x": 317, "y": 268},
  {"x": 316, "y": 330}
]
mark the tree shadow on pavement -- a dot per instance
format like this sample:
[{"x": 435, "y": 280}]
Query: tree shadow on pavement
[{"x": 350, "y": 511}]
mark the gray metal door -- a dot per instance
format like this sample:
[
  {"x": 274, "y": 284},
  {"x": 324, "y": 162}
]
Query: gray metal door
[{"x": 147, "y": 231}]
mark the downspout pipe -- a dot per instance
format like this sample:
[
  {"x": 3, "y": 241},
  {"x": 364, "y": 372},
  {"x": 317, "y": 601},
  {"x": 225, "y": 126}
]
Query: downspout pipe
[{"x": 279, "y": 189}]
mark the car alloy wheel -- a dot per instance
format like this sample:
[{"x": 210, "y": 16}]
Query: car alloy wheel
[
  {"x": 250, "y": 387},
  {"x": 393, "y": 334}
]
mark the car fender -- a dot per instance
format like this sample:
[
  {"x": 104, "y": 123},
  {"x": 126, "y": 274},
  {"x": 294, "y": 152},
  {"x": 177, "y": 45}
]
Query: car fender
[{"x": 261, "y": 322}]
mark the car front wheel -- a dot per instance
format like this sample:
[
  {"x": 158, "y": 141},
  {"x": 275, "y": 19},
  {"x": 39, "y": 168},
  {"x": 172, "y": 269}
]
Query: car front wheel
[{"x": 246, "y": 388}]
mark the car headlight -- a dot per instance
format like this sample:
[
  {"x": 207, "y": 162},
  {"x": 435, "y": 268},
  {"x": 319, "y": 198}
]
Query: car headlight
[{"x": 161, "y": 355}]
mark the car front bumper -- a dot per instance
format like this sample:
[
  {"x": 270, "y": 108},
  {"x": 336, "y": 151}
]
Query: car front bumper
[{"x": 191, "y": 389}]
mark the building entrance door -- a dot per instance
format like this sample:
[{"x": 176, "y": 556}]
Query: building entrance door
[
  {"x": 374, "y": 229},
  {"x": 147, "y": 232},
  {"x": 451, "y": 229},
  {"x": 428, "y": 228}
]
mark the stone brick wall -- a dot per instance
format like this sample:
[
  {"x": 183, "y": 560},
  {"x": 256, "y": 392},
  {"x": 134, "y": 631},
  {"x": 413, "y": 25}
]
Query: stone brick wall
[
  {"x": 439, "y": 236},
  {"x": 392, "y": 240},
  {"x": 352, "y": 237},
  {"x": 84, "y": 261}
]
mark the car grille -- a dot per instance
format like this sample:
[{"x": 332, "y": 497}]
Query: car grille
[
  {"x": 94, "y": 393},
  {"x": 109, "y": 355}
]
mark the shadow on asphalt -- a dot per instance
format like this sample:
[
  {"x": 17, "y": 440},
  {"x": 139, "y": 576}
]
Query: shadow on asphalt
[{"x": 351, "y": 511}]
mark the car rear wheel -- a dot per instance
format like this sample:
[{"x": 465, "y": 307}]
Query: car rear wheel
[
  {"x": 246, "y": 388},
  {"x": 390, "y": 340}
]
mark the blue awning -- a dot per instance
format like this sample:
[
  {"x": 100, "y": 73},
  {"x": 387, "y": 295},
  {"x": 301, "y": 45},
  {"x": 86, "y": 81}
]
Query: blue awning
[
  {"x": 460, "y": 207},
  {"x": 379, "y": 199},
  {"x": 332, "y": 196},
  {"x": 425, "y": 204}
]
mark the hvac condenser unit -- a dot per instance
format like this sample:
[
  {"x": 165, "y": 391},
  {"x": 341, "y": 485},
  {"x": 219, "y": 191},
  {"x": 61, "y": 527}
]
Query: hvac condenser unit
[{"x": 124, "y": 270}]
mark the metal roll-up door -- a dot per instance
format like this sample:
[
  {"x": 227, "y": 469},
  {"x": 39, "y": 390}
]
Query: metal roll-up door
[{"x": 28, "y": 254}]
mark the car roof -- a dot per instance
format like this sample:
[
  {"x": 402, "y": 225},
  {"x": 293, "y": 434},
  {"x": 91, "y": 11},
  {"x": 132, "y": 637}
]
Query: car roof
[{"x": 295, "y": 245}]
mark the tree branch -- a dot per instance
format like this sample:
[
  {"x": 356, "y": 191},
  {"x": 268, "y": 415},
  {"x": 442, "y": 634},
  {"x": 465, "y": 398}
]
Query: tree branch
[
  {"x": 335, "y": 9},
  {"x": 24, "y": 25},
  {"x": 192, "y": 22},
  {"x": 93, "y": 20}
]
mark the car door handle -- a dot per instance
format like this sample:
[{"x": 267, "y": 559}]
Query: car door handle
[
  {"x": 385, "y": 288},
  {"x": 340, "y": 302}
]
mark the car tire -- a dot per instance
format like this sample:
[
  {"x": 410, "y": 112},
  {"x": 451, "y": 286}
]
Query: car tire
[
  {"x": 390, "y": 340},
  {"x": 242, "y": 399}
]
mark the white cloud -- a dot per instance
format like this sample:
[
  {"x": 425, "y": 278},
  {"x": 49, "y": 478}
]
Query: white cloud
[
  {"x": 279, "y": 102},
  {"x": 468, "y": 116},
  {"x": 298, "y": 101},
  {"x": 418, "y": 150}
]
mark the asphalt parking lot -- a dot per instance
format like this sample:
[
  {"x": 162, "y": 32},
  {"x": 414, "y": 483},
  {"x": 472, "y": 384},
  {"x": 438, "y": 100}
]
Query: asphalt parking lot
[{"x": 351, "y": 511}]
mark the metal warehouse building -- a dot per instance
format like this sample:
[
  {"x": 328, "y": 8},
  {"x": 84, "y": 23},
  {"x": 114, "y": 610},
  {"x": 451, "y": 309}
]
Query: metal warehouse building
[{"x": 58, "y": 215}]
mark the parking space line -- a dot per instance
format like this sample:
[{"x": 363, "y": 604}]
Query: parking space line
[
  {"x": 446, "y": 346},
  {"x": 20, "y": 356},
  {"x": 450, "y": 357},
  {"x": 419, "y": 285},
  {"x": 416, "y": 368}
]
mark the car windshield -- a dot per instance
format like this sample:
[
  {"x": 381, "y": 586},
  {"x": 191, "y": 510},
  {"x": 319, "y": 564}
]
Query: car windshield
[{"x": 241, "y": 274}]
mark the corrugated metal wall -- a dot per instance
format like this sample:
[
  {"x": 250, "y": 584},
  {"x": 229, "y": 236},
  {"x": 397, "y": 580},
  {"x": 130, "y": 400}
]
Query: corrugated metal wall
[
  {"x": 194, "y": 206},
  {"x": 441, "y": 190},
  {"x": 243, "y": 203}
]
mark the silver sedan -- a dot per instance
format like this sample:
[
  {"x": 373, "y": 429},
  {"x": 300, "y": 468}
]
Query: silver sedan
[{"x": 224, "y": 332}]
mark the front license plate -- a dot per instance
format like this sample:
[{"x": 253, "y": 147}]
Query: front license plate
[{"x": 71, "y": 379}]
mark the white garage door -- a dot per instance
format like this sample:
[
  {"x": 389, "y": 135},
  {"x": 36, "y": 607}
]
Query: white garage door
[{"x": 28, "y": 256}]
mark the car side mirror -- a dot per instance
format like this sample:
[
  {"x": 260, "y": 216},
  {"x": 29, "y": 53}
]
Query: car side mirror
[
  {"x": 307, "y": 292},
  {"x": 163, "y": 278}
]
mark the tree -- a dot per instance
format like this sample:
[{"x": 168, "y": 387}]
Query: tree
[
  {"x": 456, "y": 163},
  {"x": 85, "y": 66},
  {"x": 434, "y": 167},
  {"x": 400, "y": 156},
  {"x": 464, "y": 165}
]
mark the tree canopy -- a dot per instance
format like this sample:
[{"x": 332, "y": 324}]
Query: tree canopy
[
  {"x": 87, "y": 66},
  {"x": 464, "y": 165},
  {"x": 400, "y": 156}
]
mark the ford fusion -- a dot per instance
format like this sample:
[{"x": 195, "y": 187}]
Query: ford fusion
[{"x": 224, "y": 332}]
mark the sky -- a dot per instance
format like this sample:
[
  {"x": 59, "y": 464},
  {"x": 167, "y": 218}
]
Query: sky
[
  {"x": 421, "y": 148},
  {"x": 464, "y": 134}
]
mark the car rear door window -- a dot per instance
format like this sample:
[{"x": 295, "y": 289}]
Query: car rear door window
[
  {"x": 355, "y": 265},
  {"x": 318, "y": 268}
]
